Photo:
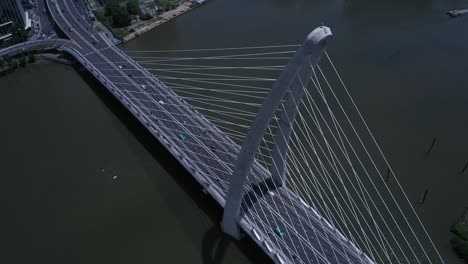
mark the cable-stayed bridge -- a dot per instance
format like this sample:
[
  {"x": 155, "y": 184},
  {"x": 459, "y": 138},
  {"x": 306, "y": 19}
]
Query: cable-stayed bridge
[{"x": 281, "y": 153}]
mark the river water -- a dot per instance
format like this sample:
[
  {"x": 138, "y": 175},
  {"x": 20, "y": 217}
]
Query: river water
[{"x": 64, "y": 139}]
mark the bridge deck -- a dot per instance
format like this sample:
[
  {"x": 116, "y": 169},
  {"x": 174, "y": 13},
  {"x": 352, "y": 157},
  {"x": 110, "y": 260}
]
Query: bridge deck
[
  {"x": 21, "y": 47},
  {"x": 206, "y": 152}
]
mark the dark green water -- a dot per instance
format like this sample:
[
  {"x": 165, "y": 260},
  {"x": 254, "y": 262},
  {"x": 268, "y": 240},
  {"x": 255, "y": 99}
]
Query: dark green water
[{"x": 63, "y": 140}]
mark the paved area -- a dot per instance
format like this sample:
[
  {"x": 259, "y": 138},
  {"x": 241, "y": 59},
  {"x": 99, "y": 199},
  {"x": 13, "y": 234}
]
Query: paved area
[{"x": 40, "y": 22}]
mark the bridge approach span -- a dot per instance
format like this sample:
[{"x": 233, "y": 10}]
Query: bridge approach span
[{"x": 35, "y": 44}]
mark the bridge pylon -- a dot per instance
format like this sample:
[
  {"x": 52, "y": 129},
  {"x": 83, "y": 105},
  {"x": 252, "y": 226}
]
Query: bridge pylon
[{"x": 291, "y": 79}]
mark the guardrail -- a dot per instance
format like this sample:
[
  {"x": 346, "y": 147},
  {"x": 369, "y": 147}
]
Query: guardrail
[{"x": 22, "y": 47}]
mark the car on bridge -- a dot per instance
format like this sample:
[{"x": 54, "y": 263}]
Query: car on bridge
[
  {"x": 279, "y": 232},
  {"x": 182, "y": 136}
]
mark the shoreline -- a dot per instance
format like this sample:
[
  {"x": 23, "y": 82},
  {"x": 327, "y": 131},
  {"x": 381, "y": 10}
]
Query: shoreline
[
  {"x": 460, "y": 242},
  {"x": 146, "y": 26}
]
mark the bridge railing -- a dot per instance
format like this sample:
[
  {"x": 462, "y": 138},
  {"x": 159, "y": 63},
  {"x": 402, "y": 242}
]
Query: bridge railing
[{"x": 22, "y": 47}]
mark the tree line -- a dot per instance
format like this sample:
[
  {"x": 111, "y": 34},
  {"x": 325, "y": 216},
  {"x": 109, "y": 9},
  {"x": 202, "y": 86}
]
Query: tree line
[
  {"x": 118, "y": 16},
  {"x": 13, "y": 64}
]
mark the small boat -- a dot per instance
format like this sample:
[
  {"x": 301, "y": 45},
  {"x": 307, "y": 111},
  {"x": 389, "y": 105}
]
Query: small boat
[
  {"x": 452, "y": 13},
  {"x": 457, "y": 13}
]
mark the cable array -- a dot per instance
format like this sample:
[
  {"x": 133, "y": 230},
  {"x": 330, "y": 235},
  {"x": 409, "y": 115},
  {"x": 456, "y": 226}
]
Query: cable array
[{"x": 335, "y": 206}]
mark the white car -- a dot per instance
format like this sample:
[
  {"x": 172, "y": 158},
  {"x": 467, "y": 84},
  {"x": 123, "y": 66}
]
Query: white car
[
  {"x": 120, "y": 67},
  {"x": 143, "y": 86},
  {"x": 161, "y": 102}
]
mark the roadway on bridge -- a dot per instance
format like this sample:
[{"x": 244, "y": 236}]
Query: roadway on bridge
[
  {"x": 203, "y": 148},
  {"x": 44, "y": 43}
]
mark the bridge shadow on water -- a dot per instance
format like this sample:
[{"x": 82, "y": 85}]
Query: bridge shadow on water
[{"x": 214, "y": 243}]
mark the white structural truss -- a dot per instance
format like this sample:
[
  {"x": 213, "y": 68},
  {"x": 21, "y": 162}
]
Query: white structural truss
[{"x": 308, "y": 54}]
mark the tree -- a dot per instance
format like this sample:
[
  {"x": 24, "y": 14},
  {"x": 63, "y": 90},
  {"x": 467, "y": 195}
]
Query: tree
[
  {"x": 461, "y": 247},
  {"x": 19, "y": 34},
  {"x": 121, "y": 18},
  {"x": 165, "y": 4},
  {"x": 31, "y": 58},
  {"x": 22, "y": 62},
  {"x": 146, "y": 17},
  {"x": 133, "y": 7},
  {"x": 13, "y": 64},
  {"x": 119, "y": 14},
  {"x": 2, "y": 63},
  {"x": 111, "y": 7},
  {"x": 101, "y": 16}
]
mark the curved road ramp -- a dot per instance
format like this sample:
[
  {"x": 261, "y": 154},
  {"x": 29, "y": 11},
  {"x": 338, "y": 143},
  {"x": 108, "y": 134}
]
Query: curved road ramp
[{"x": 42, "y": 44}]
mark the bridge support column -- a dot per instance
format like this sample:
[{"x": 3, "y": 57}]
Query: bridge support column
[{"x": 308, "y": 54}]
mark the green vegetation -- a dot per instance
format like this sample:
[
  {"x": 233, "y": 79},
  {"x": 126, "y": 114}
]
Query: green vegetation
[
  {"x": 118, "y": 14},
  {"x": 106, "y": 20},
  {"x": 13, "y": 64},
  {"x": 10, "y": 64},
  {"x": 19, "y": 34},
  {"x": 151, "y": 4},
  {"x": 166, "y": 5},
  {"x": 119, "y": 33},
  {"x": 116, "y": 17},
  {"x": 133, "y": 7},
  {"x": 461, "y": 247},
  {"x": 145, "y": 17},
  {"x": 22, "y": 62},
  {"x": 461, "y": 230},
  {"x": 460, "y": 242},
  {"x": 31, "y": 58}
]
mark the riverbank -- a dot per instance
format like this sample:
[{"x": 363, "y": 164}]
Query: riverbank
[
  {"x": 59, "y": 58},
  {"x": 141, "y": 27},
  {"x": 20, "y": 61},
  {"x": 460, "y": 242}
]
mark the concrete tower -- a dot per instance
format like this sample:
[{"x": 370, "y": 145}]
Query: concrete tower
[{"x": 308, "y": 55}]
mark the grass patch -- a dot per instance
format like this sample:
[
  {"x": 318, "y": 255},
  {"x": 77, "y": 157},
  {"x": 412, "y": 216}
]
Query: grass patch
[
  {"x": 460, "y": 242},
  {"x": 460, "y": 230},
  {"x": 106, "y": 20},
  {"x": 119, "y": 33}
]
